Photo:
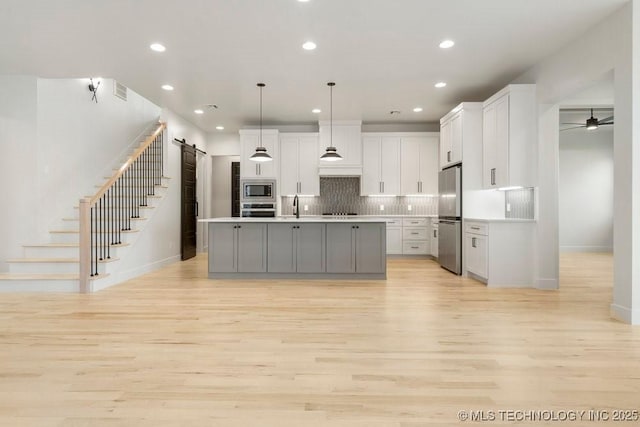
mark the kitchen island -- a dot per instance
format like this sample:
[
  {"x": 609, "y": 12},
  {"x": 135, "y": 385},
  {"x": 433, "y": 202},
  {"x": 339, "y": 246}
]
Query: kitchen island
[{"x": 290, "y": 248}]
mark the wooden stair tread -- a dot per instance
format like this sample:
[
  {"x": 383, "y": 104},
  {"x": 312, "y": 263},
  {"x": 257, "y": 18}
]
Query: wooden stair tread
[
  {"x": 77, "y": 232},
  {"x": 68, "y": 245},
  {"x": 30, "y": 276},
  {"x": 142, "y": 218},
  {"x": 141, "y": 207},
  {"x": 55, "y": 260}
]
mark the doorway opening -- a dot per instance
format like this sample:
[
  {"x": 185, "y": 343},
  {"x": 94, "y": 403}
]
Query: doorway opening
[{"x": 586, "y": 188}]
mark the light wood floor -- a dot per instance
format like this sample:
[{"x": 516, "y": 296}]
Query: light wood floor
[{"x": 175, "y": 349}]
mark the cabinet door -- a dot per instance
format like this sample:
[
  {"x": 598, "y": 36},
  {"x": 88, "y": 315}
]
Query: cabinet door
[
  {"x": 288, "y": 166},
  {"x": 410, "y": 171},
  {"x": 489, "y": 146},
  {"x": 371, "y": 180},
  {"x": 370, "y": 248},
  {"x": 222, "y": 248},
  {"x": 394, "y": 240},
  {"x": 390, "y": 165},
  {"x": 308, "y": 165},
  {"x": 502, "y": 142},
  {"x": 445, "y": 144},
  {"x": 476, "y": 247},
  {"x": 310, "y": 248},
  {"x": 340, "y": 248},
  {"x": 281, "y": 252},
  {"x": 252, "y": 248},
  {"x": 429, "y": 165},
  {"x": 434, "y": 242},
  {"x": 456, "y": 138}
]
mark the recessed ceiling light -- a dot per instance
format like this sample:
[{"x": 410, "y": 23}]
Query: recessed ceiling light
[
  {"x": 158, "y": 47},
  {"x": 446, "y": 44},
  {"x": 417, "y": 109},
  {"x": 167, "y": 87},
  {"x": 303, "y": 1},
  {"x": 316, "y": 111},
  {"x": 198, "y": 111},
  {"x": 309, "y": 45},
  {"x": 440, "y": 85},
  {"x": 220, "y": 127}
]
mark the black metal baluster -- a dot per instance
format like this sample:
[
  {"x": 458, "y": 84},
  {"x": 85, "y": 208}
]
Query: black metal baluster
[
  {"x": 91, "y": 229},
  {"x": 109, "y": 224},
  {"x": 100, "y": 227},
  {"x": 119, "y": 191}
]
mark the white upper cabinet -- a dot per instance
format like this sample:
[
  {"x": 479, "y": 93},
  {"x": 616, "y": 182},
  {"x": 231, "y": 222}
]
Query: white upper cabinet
[
  {"x": 347, "y": 138},
  {"x": 509, "y": 137},
  {"x": 419, "y": 164},
  {"x": 299, "y": 164},
  {"x": 451, "y": 140},
  {"x": 380, "y": 165},
  {"x": 249, "y": 140}
]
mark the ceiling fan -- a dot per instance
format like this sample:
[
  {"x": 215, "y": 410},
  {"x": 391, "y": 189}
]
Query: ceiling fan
[{"x": 592, "y": 123}]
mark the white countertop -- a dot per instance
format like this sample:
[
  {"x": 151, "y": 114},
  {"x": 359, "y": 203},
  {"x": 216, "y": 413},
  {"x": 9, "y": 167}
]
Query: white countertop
[
  {"x": 289, "y": 219},
  {"x": 487, "y": 220}
]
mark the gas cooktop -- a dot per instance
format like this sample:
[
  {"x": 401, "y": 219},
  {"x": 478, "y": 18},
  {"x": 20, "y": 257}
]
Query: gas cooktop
[{"x": 339, "y": 213}]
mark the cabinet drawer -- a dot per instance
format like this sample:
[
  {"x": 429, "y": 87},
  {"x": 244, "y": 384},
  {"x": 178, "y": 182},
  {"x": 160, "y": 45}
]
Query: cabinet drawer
[
  {"x": 415, "y": 248},
  {"x": 476, "y": 228},
  {"x": 415, "y": 233},
  {"x": 414, "y": 222},
  {"x": 393, "y": 222}
]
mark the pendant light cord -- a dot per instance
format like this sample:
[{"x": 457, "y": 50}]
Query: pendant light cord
[
  {"x": 260, "y": 115},
  {"x": 331, "y": 85}
]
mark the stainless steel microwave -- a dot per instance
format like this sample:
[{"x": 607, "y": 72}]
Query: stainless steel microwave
[{"x": 258, "y": 190}]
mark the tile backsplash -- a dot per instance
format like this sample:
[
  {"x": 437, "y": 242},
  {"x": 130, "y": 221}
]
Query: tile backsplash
[
  {"x": 520, "y": 203},
  {"x": 342, "y": 194}
]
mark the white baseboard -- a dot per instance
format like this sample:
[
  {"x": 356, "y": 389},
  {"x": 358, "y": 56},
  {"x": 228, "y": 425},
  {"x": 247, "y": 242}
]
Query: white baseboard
[
  {"x": 586, "y": 249},
  {"x": 625, "y": 314},
  {"x": 547, "y": 284},
  {"x": 123, "y": 276}
]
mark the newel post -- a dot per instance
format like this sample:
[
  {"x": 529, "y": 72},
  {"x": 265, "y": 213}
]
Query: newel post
[{"x": 85, "y": 245}]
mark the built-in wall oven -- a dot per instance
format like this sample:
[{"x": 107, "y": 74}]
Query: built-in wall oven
[{"x": 258, "y": 198}]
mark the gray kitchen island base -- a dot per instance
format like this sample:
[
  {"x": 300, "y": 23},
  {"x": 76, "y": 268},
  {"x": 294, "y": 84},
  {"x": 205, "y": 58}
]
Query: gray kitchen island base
[{"x": 309, "y": 248}]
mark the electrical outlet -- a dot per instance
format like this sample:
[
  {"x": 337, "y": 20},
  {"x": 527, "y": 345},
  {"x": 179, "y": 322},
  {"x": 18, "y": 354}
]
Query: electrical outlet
[
  {"x": 306, "y": 207},
  {"x": 508, "y": 207},
  {"x": 381, "y": 207},
  {"x": 409, "y": 207}
]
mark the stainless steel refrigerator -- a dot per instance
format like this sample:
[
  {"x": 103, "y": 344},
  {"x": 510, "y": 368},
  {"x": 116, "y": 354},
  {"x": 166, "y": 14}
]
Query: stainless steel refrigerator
[{"x": 449, "y": 219}]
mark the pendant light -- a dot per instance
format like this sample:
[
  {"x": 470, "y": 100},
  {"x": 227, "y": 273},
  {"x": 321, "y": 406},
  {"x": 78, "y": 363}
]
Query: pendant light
[
  {"x": 331, "y": 154},
  {"x": 261, "y": 154}
]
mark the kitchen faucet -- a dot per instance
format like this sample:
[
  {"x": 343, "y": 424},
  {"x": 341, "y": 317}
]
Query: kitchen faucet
[{"x": 296, "y": 205}]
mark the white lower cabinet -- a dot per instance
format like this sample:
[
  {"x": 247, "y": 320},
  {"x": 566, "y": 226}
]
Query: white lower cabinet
[
  {"x": 394, "y": 236},
  {"x": 434, "y": 237},
  {"x": 415, "y": 236},
  {"x": 476, "y": 244},
  {"x": 499, "y": 252}
]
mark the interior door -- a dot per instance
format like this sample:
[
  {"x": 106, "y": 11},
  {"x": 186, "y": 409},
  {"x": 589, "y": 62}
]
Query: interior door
[{"x": 189, "y": 210}]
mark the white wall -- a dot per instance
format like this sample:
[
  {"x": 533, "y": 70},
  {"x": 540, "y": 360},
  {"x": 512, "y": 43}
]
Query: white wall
[
  {"x": 605, "y": 47},
  {"x": 586, "y": 190},
  {"x": 19, "y": 197},
  {"x": 223, "y": 144}
]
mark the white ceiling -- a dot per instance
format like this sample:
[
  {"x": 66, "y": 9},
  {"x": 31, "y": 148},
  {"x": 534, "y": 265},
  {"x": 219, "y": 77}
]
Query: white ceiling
[{"x": 383, "y": 55}]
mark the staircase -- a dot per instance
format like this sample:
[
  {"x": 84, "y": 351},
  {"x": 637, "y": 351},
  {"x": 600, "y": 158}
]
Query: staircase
[{"x": 84, "y": 250}]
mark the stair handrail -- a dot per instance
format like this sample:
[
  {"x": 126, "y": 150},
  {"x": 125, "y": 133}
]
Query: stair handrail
[
  {"x": 88, "y": 203},
  {"x": 136, "y": 154}
]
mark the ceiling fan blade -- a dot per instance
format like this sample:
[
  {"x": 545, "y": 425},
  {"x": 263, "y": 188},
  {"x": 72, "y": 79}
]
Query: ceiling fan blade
[
  {"x": 608, "y": 119},
  {"x": 575, "y": 127},
  {"x": 605, "y": 124}
]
